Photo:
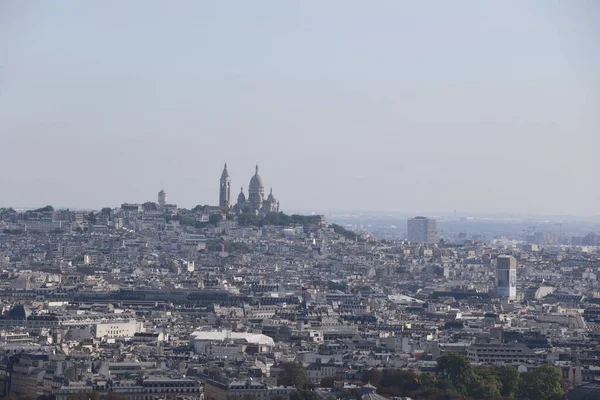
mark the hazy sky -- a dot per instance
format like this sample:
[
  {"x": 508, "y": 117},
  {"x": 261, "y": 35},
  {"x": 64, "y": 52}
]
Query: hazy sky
[{"x": 373, "y": 105}]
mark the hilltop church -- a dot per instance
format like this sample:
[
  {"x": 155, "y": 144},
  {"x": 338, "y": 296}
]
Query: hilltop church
[{"x": 255, "y": 203}]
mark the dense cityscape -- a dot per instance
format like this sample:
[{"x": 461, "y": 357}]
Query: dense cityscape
[
  {"x": 242, "y": 301},
  {"x": 299, "y": 200}
]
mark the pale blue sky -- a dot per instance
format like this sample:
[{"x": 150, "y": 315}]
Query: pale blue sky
[{"x": 375, "y": 105}]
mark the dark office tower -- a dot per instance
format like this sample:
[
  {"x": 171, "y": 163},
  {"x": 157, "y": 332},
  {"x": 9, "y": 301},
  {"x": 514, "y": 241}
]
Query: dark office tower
[
  {"x": 225, "y": 189},
  {"x": 422, "y": 230}
]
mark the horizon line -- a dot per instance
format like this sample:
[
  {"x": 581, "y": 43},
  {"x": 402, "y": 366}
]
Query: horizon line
[{"x": 359, "y": 211}]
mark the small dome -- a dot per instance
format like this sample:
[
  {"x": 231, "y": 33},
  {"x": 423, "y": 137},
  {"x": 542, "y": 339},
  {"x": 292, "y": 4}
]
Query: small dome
[
  {"x": 256, "y": 180},
  {"x": 19, "y": 312},
  {"x": 271, "y": 198},
  {"x": 241, "y": 197},
  {"x": 162, "y": 193}
]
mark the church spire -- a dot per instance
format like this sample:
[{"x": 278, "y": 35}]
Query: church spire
[
  {"x": 225, "y": 189},
  {"x": 225, "y": 173}
]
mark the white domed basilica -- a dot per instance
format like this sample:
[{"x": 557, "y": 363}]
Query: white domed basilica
[{"x": 255, "y": 202}]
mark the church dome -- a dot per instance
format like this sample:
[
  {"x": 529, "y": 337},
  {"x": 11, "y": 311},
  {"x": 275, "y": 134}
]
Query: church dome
[
  {"x": 271, "y": 198},
  {"x": 162, "y": 193},
  {"x": 256, "y": 181},
  {"x": 241, "y": 197}
]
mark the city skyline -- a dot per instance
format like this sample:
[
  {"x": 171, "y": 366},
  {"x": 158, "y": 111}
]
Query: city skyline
[
  {"x": 316, "y": 200},
  {"x": 395, "y": 106},
  {"x": 151, "y": 194}
]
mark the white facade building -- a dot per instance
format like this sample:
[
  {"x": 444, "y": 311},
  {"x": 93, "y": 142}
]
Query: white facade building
[
  {"x": 203, "y": 340},
  {"x": 506, "y": 277}
]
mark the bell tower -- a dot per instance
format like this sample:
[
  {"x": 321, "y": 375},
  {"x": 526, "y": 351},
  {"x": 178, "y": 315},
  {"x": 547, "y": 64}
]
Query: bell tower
[{"x": 225, "y": 189}]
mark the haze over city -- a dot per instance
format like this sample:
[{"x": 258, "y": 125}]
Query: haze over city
[
  {"x": 299, "y": 200},
  {"x": 388, "y": 105}
]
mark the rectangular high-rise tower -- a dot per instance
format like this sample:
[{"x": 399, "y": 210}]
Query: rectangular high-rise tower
[
  {"x": 422, "y": 230},
  {"x": 506, "y": 277}
]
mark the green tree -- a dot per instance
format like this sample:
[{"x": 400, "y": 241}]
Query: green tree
[
  {"x": 340, "y": 230},
  {"x": 427, "y": 380},
  {"x": 277, "y": 219},
  {"x": 484, "y": 387},
  {"x": 543, "y": 383},
  {"x": 457, "y": 370},
  {"x": 150, "y": 206},
  {"x": 433, "y": 394},
  {"x": 397, "y": 383},
  {"x": 91, "y": 218},
  {"x": 304, "y": 395},
  {"x": 351, "y": 394},
  {"x": 236, "y": 247},
  {"x": 214, "y": 219},
  {"x": 327, "y": 382},
  {"x": 292, "y": 374},
  {"x": 248, "y": 219},
  {"x": 44, "y": 209},
  {"x": 509, "y": 378},
  {"x": 373, "y": 376},
  {"x": 298, "y": 219}
]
